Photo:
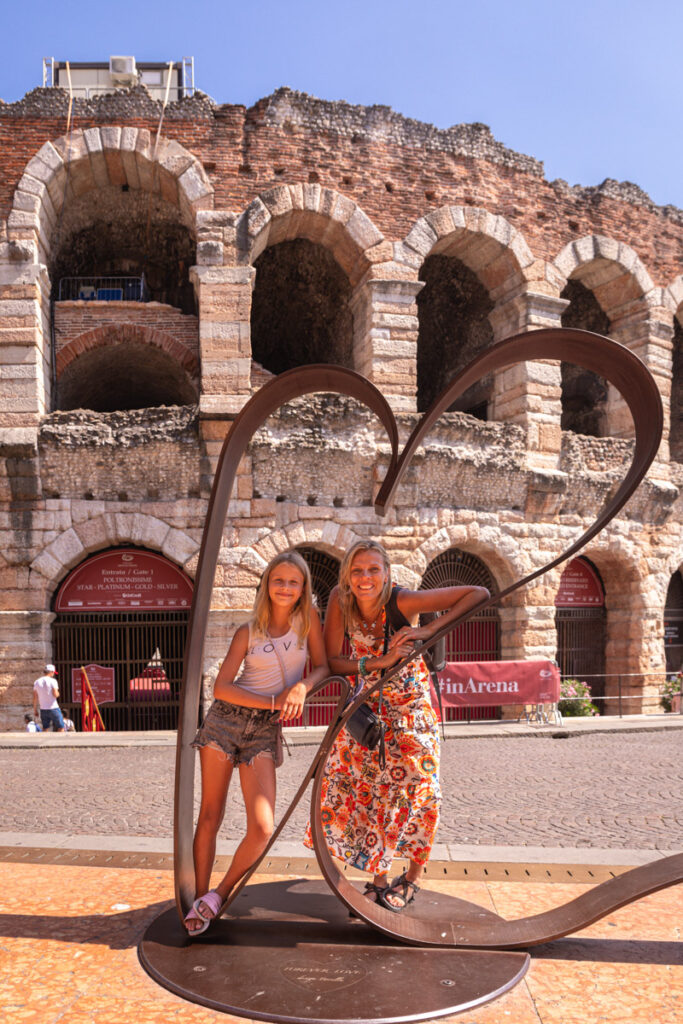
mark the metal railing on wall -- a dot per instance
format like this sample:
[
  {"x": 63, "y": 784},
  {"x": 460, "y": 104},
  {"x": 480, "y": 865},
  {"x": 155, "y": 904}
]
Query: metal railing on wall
[
  {"x": 624, "y": 696},
  {"x": 103, "y": 289}
]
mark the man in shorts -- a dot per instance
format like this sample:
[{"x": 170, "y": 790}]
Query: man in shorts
[{"x": 45, "y": 694}]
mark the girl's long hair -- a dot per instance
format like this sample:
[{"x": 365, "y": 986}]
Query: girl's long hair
[
  {"x": 300, "y": 616},
  {"x": 347, "y": 601}
]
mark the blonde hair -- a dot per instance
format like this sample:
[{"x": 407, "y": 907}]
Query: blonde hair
[
  {"x": 300, "y": 616},
  {"x": 347, "y": 600}
]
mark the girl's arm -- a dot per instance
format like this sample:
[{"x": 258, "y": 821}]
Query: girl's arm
[
  {"x": 226, "y": 689},
  {"x": 454, "y": 601},
  {"x": 291, "y": 700},
  {"x": 334, "y": 642}
]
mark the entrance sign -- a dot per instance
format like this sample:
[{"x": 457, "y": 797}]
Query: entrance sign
[
  {"x": 580, "y": 586},
  {"x": 102, "y": 684},
  {"x": 125, "y": 579},
  {"x": 490, "y": 683}
]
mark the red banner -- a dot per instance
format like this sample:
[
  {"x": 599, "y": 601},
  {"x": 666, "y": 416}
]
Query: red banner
[
  {"x": 125, "y": 579},
  {"x": 102, "y": 682},
  {"x": 491, "y": 683},
  {"x": 580, "y": 586}
]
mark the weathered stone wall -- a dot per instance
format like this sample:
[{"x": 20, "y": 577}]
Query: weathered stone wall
[{"x": 351, "y": 208}]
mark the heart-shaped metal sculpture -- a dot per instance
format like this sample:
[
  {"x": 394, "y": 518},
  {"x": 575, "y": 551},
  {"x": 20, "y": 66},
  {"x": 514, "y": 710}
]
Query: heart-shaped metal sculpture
[{"x": 612, "y": 361}]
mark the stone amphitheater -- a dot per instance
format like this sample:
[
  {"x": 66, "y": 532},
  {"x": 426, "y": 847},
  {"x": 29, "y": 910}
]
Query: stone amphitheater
[{"x": 152, "y": 281}]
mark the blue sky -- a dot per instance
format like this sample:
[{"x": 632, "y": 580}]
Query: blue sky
[{"x": 593, "y": 88}]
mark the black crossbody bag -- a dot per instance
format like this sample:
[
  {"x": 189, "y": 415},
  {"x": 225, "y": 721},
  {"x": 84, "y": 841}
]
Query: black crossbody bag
[{"x": 367, "y": 727}]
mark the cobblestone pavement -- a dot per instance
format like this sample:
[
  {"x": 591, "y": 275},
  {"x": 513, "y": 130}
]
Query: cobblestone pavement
[{"x": 609, "y": 791}]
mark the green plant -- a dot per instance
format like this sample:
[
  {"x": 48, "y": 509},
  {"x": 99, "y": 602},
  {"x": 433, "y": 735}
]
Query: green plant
[
  {"x": 575, "y": 699},
  {"x": 671, "y": 687}
]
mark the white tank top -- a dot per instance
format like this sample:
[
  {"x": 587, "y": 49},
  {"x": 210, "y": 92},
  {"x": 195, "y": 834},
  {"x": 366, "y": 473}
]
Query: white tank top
[{"x": 261, "y": 671}]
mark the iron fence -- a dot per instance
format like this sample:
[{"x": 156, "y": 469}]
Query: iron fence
[{"x": 103, "y": 289}]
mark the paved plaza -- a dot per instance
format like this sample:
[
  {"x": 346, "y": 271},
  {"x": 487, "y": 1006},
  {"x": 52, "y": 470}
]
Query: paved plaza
[
  {"x": 71, "y": 918},
  {"x": 612, "y": 790}
]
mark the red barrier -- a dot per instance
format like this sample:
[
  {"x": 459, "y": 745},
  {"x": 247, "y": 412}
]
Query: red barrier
[{"x": 491, "y": 683}]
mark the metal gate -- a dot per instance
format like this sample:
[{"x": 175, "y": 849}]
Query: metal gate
[
  {"x": 581, "y": 647},
  {"x": 324, "y": 577},
  {"x": 146, "y": 650},
  {"x": 478, "y": 639}
]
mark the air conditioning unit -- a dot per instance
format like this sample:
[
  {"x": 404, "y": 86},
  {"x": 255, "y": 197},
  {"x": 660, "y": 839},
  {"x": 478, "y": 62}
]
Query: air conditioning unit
[{"x": 122, "y": 70}]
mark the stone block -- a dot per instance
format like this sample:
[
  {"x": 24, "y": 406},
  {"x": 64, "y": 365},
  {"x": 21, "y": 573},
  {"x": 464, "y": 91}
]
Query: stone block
[
  {"x": 179, "y": 547},
  {"x": 67, "y": 549}
]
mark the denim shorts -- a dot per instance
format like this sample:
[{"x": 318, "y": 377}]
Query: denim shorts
[
  {"x": 52, "y": 717},
  {"x": 241, "y": 733}
]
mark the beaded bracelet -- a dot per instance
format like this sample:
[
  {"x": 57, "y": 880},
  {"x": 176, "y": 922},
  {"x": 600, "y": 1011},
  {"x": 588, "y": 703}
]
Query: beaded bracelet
[{"x": 361, "y": 665}]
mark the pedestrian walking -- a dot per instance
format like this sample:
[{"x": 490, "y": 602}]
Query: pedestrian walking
[{"x": 45, "y": 694}]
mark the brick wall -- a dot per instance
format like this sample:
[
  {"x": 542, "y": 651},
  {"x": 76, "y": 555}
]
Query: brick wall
[{"x": 396, "y": 169}]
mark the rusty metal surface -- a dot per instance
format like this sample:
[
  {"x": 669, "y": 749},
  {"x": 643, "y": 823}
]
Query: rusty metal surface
[
  {"x": 288, "y": 952},
  {"x": 627, "y": 373}
]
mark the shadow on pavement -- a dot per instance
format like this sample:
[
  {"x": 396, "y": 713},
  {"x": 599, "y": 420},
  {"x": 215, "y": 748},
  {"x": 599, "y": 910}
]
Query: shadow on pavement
[{"x": 118, "y": 931}]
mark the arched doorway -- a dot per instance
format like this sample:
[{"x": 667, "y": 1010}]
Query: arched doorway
[
  {"x": 324, "y": 574},
  {"x": 580, "y": 623},
  {"x": 673, "y": 624},
  {"x": 478, "y": 639},
  {"x": 324, "y": 577},
  {"x": 125, "y": 612}
]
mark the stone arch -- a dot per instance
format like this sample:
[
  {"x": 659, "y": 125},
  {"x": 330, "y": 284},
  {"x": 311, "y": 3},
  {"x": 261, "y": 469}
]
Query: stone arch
[
  {"x": 317, "y": 214},
  {"x": 317, "y": 533},
  {"x": 469, "y": 262},
  {"x": 486, "y": 243},
  {"x": 616, "y": 279},
  {"x": 97, "y": 158},
  {"x": 101, "y": 336},
  {"x": 109, "y": 530},
  {"x": 503, "y": 554},
  {"x": 611, "y": 270},
  {"x": 674, "y": 296},
  {"x": 634, "y": 631},
  {"x": 126, "y": 366}
]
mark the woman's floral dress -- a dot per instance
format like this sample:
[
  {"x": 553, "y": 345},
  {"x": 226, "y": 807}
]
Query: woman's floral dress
[{"x": 372, "y": 815}]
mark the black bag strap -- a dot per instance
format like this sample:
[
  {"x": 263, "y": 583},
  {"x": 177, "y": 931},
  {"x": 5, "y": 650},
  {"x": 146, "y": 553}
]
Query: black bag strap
[{"x": 434, "y": 658}]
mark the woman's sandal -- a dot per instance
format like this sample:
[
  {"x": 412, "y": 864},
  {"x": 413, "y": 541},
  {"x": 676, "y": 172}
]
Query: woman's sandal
[
  {"x": 371, "y": 890},
  {"x": 399, "y": 888},
  {"x": 213, "y": 901}
]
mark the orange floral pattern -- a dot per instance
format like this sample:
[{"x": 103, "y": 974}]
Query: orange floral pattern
[{"x": 369, "y": 815}]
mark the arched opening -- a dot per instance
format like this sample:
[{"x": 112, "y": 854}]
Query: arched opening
[
  {"x": 676, "y": 434},
  {"x": 124, "y": 375},
  {"x": 453, "y": 310},
  {"x": 324, "y": 577},
  {"x": 673, "y": 624},
  {"x": 324, "y": 574},
  {"x": 300, "y": 310},
  {"x": 478, "y": 639},
  {"x": 122, "y": 243},
  {"x": 580, "y": 621},
  {"x": 584, "y": 393},
  {"x": 122, "y": 614}
]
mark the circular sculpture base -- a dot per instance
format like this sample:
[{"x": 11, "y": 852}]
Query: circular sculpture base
[{"x": 288, "y": 951}]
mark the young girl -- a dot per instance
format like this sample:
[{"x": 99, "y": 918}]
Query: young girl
[{"x": 242, "y": 727}]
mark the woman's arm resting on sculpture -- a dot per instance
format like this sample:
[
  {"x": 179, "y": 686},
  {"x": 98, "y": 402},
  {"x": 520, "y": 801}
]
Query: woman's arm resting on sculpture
[
  {"x": 452, "y": 601},
  {"x": 334, "y": 643}
]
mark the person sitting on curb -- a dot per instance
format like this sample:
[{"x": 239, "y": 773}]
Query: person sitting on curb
[
  {"x": 45, "y": 694},
  {"x": 32, "y": 726}
]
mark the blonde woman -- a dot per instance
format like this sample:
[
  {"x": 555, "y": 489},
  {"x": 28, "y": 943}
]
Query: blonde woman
[
  {"x": 242, "y": 727},
  {"x": 372, "y": 814}
]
